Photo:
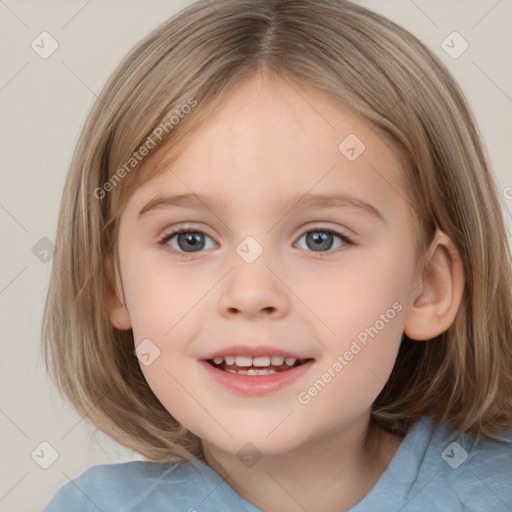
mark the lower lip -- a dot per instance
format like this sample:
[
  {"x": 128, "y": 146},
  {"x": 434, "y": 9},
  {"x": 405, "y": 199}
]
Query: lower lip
[{"x": 256, "y": 384}]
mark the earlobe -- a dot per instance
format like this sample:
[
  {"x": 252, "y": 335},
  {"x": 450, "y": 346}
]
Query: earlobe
[
  {"x": 112, "y": 301},
  {"x": 437, "y": 297}
]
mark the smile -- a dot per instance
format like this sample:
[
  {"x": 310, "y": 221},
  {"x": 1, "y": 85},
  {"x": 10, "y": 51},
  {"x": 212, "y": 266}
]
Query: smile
[
  {"x": 253, "y": 376},
  {"x": 261, "y": 365}
]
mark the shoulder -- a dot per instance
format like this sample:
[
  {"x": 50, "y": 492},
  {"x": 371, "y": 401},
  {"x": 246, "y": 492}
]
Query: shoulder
[
  {"x": 485, "y": 472},
  {"x": 112, "y": 487},
  {"x": 476, "y": 472},
  {"x": 471, "y": 453}
]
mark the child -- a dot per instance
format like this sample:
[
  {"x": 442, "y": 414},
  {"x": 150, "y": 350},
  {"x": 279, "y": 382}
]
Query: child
[{"x": 338, "y": 334}]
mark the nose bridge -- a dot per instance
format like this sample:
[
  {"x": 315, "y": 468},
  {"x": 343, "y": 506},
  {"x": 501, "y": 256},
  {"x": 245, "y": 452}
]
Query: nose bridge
[{"x": 251, "y": 288}]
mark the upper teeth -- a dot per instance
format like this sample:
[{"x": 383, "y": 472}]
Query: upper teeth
[{"x": 256, "y": 361}]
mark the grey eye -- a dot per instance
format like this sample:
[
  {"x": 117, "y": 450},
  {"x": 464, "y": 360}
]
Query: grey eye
[
  {"x": 189, "y": 241},
  {"x": 321, "y": 240}
]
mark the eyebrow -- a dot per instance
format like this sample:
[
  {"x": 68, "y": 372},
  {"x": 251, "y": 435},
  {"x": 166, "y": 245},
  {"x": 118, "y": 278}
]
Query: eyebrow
[{"x": 306, "y": 201}]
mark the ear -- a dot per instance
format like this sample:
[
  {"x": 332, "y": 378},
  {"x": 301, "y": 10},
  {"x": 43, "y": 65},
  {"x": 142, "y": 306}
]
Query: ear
[
  {"x": 112, "y": 301},
  {"x": 437, "y": 297}
]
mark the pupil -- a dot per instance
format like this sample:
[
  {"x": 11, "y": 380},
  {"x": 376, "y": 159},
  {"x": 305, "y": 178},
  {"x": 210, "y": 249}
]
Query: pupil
[
  {"x": 193, "y": 239},
  {"x": 321, "y": 240}
]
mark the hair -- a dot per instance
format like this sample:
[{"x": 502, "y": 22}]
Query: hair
[{"x": 462, "y": 378}]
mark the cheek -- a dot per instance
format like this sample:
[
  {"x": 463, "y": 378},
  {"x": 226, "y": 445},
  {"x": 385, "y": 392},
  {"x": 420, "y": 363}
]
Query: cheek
[
  {"x": 358, "y": 359},
  {"x": 161, "y": 298},
  {"x": 164, "y": 306},
  {"x": 362, "y": 308},
  {"x": 353, "y": 296}
]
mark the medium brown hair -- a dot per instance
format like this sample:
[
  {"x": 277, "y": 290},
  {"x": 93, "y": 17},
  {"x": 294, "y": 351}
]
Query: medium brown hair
[{"x": 462, "y": 378}]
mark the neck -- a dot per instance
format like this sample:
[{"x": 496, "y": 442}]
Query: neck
[{"x": 331, "y": 473}]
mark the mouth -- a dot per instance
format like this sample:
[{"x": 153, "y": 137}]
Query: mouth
[{"x": 260, "y": 365}]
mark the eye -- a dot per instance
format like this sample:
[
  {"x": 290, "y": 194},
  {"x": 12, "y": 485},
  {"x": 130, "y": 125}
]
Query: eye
[
  {"x": 186, "y": 240},
  {"x": 322, "y": 240}
]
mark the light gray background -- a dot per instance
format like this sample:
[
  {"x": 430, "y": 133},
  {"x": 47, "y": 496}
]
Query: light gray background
[{"x": 43, "y": 105}]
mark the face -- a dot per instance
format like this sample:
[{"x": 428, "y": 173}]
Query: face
[{"x": 267, "y": 269}]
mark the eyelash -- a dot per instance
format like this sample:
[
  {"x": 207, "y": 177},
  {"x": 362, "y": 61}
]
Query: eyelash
[{"x": 186, "y": 256}]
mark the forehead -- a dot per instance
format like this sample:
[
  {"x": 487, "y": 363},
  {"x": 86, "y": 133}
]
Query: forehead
[{"x": 276, "y": 139}]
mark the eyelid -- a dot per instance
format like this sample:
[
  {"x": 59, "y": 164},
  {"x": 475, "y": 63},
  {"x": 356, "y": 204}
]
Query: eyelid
[
  {"x": 182, "y": 229},
  {"x": 303, "y": 230},
  {"x": 338, "y": 231}
]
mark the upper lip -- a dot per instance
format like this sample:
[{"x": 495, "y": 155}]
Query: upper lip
[{"x": 252, "y": 351}]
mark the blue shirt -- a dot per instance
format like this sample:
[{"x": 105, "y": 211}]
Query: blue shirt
[{"x": 432, "y": 470}]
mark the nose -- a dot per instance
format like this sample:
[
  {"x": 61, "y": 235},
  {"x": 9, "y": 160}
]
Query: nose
[{"x": 253, "y": 290}]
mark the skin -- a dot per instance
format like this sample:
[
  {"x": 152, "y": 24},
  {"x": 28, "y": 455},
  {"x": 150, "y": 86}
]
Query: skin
[{"x": 266, "y": 143}]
